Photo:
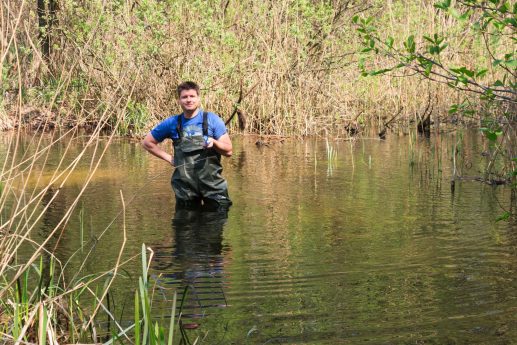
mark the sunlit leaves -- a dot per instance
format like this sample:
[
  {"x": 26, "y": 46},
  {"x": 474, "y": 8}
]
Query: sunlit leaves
[
  {"x": 464, "y": 108},
  {"x": 389, "y": 42},
  {"x": 492, "y": 134},
  {"x": 410, "y": 44},
  {"x": 436, "y": 46},
  {"x": 444, "y": 5}
]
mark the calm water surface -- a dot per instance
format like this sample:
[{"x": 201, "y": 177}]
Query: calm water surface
[{"x": 365, "y": 246}]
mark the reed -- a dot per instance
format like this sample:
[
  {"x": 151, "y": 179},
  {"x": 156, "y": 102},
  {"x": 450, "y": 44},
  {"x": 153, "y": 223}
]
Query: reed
[
  {"x": 39, "y": 303},
  {"x": 331, "y": 157},
  {"x": 237, "y": 51}
]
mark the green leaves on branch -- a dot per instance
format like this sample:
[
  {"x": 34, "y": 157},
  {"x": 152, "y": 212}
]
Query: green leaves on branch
[
  {"x": 464, "y": 108},
  {"x": 492, "y": 134},
  {"x": 443, "y": 5},
  {"x": 410, "y": 44},
  {"x": 493, "y": 21},
  {"x": 436, "y": 46}
]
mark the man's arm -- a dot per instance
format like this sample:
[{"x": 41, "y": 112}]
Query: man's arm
[
  {"x": 223, "y": 145},
  {"x": 151, "y": 145}
]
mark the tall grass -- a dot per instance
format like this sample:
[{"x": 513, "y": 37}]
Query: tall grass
[
  {"x": 39, "y": 303},
  {"x": 293, "y": 61}
]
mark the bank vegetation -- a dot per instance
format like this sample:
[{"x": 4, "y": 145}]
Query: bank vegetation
[{"x": 288, "y": 67}]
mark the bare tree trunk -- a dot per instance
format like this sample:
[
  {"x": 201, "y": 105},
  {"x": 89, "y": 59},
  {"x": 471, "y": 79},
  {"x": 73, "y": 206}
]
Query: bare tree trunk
[{"x": 46, "y": 10}]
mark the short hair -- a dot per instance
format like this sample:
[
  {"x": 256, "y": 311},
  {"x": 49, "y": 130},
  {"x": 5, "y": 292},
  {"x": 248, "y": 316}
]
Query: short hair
[{"x": 187, "y": 85}]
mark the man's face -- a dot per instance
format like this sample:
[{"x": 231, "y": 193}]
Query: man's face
[{"x": 189, "y": 100}]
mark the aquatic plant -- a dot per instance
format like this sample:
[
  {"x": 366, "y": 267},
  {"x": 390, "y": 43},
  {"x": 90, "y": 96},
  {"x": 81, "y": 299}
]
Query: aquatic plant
[{"x": 331, "y": 157}]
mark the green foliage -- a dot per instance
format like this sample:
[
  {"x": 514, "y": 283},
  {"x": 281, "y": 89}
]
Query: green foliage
[
  {"x": 431, "y": 56},
  {"x": 427, "y": 56},
  {"x": 36, "y": 299},
  {"x": 50, "y": 92},
  {"x": 492, "y": 133},
  {"x": 146, "y": 330},
  {"x": 136, "y": 118}
]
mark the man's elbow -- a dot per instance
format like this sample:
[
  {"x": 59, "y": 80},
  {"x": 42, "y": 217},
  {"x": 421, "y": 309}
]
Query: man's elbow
[
  {"x": 228, "y": 153},
  {"x": 146, "y": 144}
]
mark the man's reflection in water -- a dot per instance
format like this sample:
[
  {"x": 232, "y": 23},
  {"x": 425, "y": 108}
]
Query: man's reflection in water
[{"x": 197, "y": 259}]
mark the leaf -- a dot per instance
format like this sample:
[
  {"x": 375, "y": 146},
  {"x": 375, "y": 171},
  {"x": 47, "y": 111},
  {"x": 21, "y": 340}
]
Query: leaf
[
  {"x": 443, "y": 5},
  {"x": 454, "y": 12},
  {"x": 428, "y": 68},
  {"x": 389, "y": 42},
  {"x": 453, "y": 109},
  {"x": 463, "y": 80},
  {"x": 490, "y": 135},
  {"x": 468, "y": 72},
  {"x": 381, "y": 71},
  {"x": 481, "y": 73},
  {"x": 410, "y": 44},
  {"x": 505, "y": 7},
  {"x": 511, "y": 21},
  {"x": 505, "y": 216},
  {"x": 427, "y": 38},
  {"x": 511, "y": 63},
  {"x": 465, "y": 16}
]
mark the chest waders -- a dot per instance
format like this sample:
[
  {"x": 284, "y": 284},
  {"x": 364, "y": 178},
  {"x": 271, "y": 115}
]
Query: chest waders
[{"x": 197, "y": 176}]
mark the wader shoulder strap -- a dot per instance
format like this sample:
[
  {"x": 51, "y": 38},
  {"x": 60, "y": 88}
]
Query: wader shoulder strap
[
  {"x": 205, "y": 124},
  {"x": 179, "y": 126}
]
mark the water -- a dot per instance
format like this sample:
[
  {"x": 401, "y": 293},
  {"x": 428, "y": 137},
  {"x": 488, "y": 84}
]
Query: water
[{"x": 367, "y": 246}]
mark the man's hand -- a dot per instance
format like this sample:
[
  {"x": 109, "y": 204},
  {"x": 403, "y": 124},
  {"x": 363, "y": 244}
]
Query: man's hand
[
  {"x": 151, "y": 145},
  {"x": 209, "y": 143}
]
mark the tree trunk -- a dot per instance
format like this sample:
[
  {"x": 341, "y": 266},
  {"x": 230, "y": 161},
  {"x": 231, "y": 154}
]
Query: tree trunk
[{"x": 46, "y": 10}]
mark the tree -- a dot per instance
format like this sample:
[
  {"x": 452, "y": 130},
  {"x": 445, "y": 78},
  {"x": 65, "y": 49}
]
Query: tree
[
  {"x": 46, "y": 10},
  {"x": 489, "y": 90}
]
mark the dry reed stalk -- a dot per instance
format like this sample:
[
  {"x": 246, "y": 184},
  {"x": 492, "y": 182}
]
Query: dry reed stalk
[
  {"x": 117, "y": 264},
  {"x": 304, "y": 66},
  {"x": 24, "y": 213}
]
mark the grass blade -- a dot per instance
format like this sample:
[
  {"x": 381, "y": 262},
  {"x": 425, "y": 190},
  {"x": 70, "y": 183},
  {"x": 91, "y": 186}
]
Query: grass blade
[
  {"x": 137, "y": 319},
  {"x": 43, "y": 320},
  {"x": 173, "y": 317}
]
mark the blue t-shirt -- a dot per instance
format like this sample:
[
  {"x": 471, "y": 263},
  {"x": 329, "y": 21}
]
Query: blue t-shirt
[{"x": 194, "y": 126}]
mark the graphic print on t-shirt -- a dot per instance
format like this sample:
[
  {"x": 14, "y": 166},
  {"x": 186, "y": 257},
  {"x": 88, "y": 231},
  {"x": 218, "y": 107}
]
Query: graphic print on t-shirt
[{"x": 192, "y": 130}]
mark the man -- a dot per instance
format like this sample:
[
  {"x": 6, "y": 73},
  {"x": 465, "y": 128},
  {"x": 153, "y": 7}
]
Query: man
[{"x": 199, "y": 139}]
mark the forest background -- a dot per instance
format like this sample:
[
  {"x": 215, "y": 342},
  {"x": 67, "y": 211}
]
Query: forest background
[{"x": 287, "y": 67}]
